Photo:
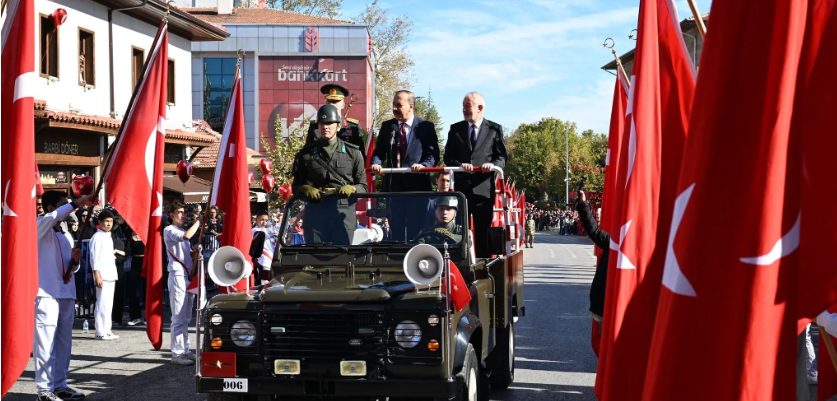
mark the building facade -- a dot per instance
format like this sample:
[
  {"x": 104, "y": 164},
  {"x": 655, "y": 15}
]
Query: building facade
[
  {"x": 288, "y": 58},
  {"x": 88, "y": 64}
]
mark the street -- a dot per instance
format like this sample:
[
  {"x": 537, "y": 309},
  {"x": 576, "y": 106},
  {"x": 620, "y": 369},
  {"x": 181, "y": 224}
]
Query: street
[{"x": 554, "y": 358}]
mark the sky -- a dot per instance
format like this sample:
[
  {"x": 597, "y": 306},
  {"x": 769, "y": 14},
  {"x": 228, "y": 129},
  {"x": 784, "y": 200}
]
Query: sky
[{"x": 530, "y": 58}]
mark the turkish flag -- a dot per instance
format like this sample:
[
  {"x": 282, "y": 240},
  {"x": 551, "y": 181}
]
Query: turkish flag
[
  {"x": 460, "y": 293},
  {"x": 370, "y": 148},
  {"x": 614, "y": 145},
  {"x": 231, "y": 187},
  {"x": 137, "y": 193},
  {"x": 743, "y": 300},
  {"x": 660, "y": 99},
  {"x": 19, "y": 239}
]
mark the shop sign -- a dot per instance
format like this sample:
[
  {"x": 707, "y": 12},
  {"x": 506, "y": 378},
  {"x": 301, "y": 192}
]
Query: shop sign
[{"x": 67, "y": 144}]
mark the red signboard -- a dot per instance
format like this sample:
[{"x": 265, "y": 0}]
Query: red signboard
[{"x": 289, "y": 89}]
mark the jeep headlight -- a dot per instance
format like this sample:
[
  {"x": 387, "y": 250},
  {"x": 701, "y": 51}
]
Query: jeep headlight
[
  {"x": 407, "y": 334},
  {"x": 243, "y": 333}
]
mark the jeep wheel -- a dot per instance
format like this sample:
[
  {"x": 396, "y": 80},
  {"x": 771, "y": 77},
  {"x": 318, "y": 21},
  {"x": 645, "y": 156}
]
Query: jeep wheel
[
  {"x": 501, "y": 360},
  {"x": 468, "y": 377}
]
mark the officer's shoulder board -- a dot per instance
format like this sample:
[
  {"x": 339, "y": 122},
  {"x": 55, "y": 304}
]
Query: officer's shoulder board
[
  {"x": 352, "y": 120},
  {"x": 351, "y": 145}
]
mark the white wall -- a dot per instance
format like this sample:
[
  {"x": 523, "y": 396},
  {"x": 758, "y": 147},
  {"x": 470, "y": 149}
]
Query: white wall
[{"x": 66, "y": 94}]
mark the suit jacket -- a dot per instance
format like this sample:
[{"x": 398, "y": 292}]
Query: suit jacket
[
  {"x": 490, "y": 148},
  {"x": 423, "y": 149}
]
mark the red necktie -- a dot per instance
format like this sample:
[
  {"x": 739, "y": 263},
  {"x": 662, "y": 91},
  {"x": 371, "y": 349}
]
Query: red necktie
[{"x": 402, "y": 141}]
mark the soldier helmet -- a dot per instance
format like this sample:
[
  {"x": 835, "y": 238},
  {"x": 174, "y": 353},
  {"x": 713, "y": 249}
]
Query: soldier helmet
[
  {"x": 328, "y": 114},
  {"x": 448, "y": 201}
]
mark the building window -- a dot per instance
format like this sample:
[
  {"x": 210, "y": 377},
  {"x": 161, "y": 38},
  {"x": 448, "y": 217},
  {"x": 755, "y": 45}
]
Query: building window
[
  {"x": 137, "y": 60},
  {"x": 170, "y": 88},
  {"x": 86, "y": 58},
  {"x": 49, "y": 47},
  {"x": 218, "y": 75}
]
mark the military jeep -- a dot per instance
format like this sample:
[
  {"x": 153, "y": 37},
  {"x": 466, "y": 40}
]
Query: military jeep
[{"x": 346, "y": 320}]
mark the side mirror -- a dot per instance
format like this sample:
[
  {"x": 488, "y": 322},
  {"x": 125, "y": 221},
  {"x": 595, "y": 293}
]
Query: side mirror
[{"x": 497, "y": 240}]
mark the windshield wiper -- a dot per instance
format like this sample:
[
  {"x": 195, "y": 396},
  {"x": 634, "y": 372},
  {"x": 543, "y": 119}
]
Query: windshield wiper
[{"x": 342, "y": 248}]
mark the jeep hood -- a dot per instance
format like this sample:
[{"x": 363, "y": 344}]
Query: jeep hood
[{"x": 309, "y": 287}]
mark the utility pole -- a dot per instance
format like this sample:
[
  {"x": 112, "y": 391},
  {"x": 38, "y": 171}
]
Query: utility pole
[{"x": 567, "y": 178}]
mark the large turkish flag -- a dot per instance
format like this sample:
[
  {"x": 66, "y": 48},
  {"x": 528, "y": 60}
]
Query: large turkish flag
[{"x": 137, "y": 193}]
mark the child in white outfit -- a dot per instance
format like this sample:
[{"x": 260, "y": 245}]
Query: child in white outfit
[{"x": 103, "y": 261}]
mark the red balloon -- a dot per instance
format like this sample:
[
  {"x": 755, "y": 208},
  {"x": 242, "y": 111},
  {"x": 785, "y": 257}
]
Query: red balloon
[
  {"x": 184, "y": 170},
  {"x": 83, "y": 185},
  {"x": 250, "y": 177},
  {"x": 285, "y": 192},
  {"x": 266, "y": 166},
  {"x": 268, "y": 182},
  {"x": 59, "y": 17},
  {"x": 547, "y": 205}
]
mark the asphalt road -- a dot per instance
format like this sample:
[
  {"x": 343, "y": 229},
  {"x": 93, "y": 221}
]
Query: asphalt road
[{"x": 554, "y": 358}]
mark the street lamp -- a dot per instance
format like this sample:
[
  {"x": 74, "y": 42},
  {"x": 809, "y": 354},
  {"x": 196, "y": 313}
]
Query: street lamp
[{"x": 567, "y": 177}]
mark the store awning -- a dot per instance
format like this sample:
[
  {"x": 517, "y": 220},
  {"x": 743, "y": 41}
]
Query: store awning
[{"x": 196, "y": 190}]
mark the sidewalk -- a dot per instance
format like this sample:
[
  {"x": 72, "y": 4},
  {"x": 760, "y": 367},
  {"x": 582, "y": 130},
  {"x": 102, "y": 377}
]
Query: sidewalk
[{"x": 127, "y": 368}]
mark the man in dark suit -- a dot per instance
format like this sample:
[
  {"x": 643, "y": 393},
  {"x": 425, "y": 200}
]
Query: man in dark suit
[
  {"x": 415, "y": 141},
  {"x": 349, "y": 128},
  {"x": 476, "y": 142}
]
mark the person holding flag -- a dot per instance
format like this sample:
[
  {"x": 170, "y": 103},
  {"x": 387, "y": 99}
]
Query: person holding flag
[
  {"x": 179, "y": 250},
  {"x": 55, "y": 303}
]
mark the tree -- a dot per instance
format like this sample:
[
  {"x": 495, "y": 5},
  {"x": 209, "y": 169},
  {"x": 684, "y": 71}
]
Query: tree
[
  {"x": 282, "y": 151},
  {"x": 393, "y": 63},
  {"x": 426, "y": 109},
  {"x": 318, "y": 8},
  {"x": 537, "y": 159}
]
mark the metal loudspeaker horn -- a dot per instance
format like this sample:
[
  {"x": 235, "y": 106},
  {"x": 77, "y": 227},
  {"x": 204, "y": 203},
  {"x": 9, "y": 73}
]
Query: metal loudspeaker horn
[
  {"x": 423, "y": 264},
  {"x": 227, "y": 266}
]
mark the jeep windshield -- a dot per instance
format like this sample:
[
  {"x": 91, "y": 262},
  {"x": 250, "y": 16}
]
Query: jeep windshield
[{"x": 433, "y": 218}]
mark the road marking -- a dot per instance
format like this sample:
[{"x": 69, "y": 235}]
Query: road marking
[
  {"x": 568, "y": 250},
  {"x": 552, "y": 253}
]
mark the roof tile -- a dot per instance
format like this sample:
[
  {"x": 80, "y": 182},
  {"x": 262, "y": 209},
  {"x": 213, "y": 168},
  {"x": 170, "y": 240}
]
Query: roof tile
[{"x": 259, "y": 16}]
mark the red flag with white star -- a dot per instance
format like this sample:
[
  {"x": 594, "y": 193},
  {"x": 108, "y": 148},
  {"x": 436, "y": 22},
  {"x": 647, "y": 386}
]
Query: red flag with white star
[
  {"x": 134, "y": 175},
  {"x": 460, "y": 293},
  {"x": 19, "y": 238},
  {"x": 662, "y": 88},
  {"x": 745, "y": 298}
]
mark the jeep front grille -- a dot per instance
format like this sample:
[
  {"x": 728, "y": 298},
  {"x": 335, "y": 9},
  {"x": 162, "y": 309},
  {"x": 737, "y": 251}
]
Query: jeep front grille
[{"x": 323, "y": 335}]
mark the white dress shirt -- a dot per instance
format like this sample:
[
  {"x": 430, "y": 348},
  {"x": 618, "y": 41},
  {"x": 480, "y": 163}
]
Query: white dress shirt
[
  {"x": 102, "y": 258},
  {"x": 270, "y": 232},
  {"x": 55, "y": 251},
  {"x": 178, "y": 246}
]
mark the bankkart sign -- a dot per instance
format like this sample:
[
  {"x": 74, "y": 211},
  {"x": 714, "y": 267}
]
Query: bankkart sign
[{"x": 289, "y": 89}]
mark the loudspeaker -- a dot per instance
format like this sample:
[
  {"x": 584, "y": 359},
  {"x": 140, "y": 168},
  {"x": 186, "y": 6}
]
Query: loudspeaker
[
  {"x": 227, "y": 266},
  {"x": 423, "y": 264}
]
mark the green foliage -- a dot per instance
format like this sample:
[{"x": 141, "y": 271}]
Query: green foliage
[
  {"x": 537, "y": 159},
  {"x": 281, "y": 151},
  {"x": 318, "y": 8},
  {"x": 426, "y": 109},
  {"x": 393, "y": 63}
]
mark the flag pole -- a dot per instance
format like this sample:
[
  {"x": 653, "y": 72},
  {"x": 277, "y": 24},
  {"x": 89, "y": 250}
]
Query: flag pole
[
  {"x": 830, "y": 346},
  {"x": 620, "y": 69},
  {"x": 701, "y": 27}
]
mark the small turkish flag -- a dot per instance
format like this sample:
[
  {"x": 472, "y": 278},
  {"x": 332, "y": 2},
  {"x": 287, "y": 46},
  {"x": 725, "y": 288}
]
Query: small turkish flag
[{"x": 460, "y": 293}]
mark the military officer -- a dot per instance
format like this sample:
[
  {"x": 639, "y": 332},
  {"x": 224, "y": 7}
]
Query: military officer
[
  {"x": 329, "y": 165},
  {"x": 445, "y": 228},
  {"x": 349, "y": 128}
]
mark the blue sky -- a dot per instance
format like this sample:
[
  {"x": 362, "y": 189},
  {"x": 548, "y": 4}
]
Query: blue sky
[{"x": 530, "y": 58}]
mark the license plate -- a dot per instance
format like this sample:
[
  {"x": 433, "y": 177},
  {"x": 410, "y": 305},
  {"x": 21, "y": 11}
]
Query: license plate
[{"x": 235, "y": 385}]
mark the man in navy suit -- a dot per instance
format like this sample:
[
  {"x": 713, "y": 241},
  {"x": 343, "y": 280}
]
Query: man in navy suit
[
  {"x": 476, "y": 142},
  {"x": 413, "y": 141}
]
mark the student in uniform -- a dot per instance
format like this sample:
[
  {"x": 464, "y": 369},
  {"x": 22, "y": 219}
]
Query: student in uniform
[
  {"x": 179, "y": 251},
  {"x": 271, "y": 233},
  {"x": 103, "y": 262},
  {"x": 55, "y": 301}
]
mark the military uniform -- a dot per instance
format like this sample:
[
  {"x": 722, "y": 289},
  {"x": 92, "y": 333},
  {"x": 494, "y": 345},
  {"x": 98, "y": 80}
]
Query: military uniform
[
  {"x": 440, "y": 228},
  {"x": 324, "y": 219},
  {"x": 349, "y": 130}
]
